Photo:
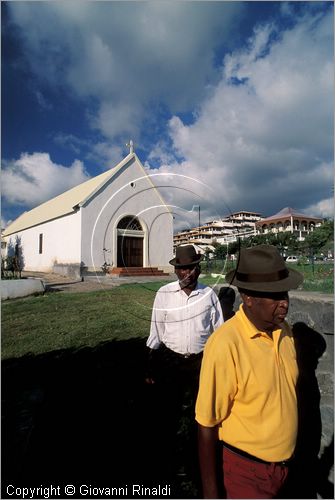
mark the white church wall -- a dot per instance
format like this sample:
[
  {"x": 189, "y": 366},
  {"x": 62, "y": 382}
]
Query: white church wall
[
  {"x": 129, "y": 193},
  {"x": 60, "y": 243},
  {"x": 161, "y": 240}
]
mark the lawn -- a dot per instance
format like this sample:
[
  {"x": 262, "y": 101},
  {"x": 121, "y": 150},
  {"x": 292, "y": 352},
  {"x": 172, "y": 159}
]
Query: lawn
[
  {"x": 70, "y": 320},
  {"x": 317, "y": 278},
  {"x": 74, "y": 393},
  {"x": 76, "y": 409}
]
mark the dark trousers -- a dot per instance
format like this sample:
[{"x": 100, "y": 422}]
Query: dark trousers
[
  {"x": 177, "y": 380},
  {"x": 179, "y": 373}
]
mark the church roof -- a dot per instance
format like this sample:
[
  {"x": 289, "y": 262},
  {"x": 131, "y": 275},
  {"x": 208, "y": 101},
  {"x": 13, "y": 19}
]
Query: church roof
[
  {"x": 65, "y": 203},
  {"x": 286, "y": 213}
]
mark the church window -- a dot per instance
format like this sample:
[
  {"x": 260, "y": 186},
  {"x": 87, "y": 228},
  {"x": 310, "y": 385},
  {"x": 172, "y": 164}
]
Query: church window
[
  {"x": 40, "y": 243},
  {"x": 130, "y": 222}
]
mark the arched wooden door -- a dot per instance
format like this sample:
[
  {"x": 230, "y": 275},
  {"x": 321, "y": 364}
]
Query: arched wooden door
[{"x": 130, "y": 237}]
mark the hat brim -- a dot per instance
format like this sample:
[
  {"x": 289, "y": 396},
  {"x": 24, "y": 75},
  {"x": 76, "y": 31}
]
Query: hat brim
[
  {"x": 293, "y": 280},
  {"x": 193, "y": 263}
]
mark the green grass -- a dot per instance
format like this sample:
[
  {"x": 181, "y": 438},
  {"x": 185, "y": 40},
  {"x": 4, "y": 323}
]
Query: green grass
[
  {"x": 56, "y": 320},
  {"x": 70, "y": 320},
  {"x": 317, "y": 278}
]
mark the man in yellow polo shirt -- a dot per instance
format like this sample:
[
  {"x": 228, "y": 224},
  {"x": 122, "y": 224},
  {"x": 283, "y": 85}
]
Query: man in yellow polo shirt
[{"x": 247, "y": 397}]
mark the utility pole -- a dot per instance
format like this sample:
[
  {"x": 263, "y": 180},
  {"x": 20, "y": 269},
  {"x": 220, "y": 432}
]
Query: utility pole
[{"x": 198, "y": 207}]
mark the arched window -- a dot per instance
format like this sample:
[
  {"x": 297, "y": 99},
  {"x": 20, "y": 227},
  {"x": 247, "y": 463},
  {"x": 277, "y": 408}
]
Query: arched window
[{"x": 130, "y": 223}]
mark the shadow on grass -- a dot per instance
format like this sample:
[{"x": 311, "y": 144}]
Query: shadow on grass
[{"x": 85, "y": 417}]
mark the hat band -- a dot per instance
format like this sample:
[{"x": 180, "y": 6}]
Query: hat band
[{"x": 262, "y": 277}]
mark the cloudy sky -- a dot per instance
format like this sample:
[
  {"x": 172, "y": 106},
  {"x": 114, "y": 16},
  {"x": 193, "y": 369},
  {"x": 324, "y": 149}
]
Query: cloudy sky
[{"x": 229, "y": 104}]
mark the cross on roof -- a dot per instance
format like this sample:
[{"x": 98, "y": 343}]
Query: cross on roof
[{"x": 130, "y": 145}]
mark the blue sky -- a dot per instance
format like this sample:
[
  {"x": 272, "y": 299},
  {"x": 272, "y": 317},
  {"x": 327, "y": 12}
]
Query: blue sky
[{"x": 231, "y": 101}]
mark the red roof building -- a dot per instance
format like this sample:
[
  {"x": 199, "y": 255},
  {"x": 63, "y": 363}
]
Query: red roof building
[{"x": 290, "y": 220}]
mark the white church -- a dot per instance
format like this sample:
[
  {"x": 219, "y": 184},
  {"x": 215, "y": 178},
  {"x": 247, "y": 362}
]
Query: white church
[{"x": 115, "y": 221}]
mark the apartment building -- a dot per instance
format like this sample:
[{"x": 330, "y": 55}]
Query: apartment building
[{"x": 240, "y": 224}]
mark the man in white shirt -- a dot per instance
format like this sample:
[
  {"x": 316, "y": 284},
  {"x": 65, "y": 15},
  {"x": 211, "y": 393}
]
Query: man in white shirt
[{"x": 185, "y": 313}]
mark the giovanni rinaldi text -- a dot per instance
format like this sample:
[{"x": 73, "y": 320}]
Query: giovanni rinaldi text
[{"x": 85, "y": 490}]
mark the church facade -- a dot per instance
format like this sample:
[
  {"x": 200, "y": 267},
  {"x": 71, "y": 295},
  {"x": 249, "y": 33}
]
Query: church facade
[{"x": 117, "y": 219}]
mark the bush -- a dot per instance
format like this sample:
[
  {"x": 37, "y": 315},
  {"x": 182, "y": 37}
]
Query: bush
[{"x": 10, "y": 270}]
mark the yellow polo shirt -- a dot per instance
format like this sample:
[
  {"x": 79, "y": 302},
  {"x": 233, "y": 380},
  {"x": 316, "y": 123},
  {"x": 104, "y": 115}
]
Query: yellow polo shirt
[{"x": 247, "y": 388}]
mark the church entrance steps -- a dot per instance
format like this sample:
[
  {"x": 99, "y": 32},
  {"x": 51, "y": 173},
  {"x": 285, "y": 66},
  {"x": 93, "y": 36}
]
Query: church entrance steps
[{"x": 137, "y": 271}]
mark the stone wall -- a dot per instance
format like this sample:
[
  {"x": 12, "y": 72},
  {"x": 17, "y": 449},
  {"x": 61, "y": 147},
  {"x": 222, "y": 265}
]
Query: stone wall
[
  {"x": 12, "y": 289},
  {"x": 68, "y": 270},
  {"x": 317, "y": 311}
]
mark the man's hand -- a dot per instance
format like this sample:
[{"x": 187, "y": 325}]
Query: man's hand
[
  {"x": 150, "y": 368},
  {"x": 149, "y": 380}
]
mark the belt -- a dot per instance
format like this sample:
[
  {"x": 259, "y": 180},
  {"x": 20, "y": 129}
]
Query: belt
[
  {"x": 189, "y": 355},
  {"x": 284, "y": 463}
]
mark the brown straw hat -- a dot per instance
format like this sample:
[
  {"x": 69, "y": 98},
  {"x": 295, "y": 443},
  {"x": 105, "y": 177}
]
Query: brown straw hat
[
  {"x": 186, "y": 256},
  {"x": 263, "y": 269}
]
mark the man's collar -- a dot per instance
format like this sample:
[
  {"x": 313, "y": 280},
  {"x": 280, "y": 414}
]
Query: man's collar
[
  {"x": 252, "y": 331},
  {"x": 199, "y": 288}
]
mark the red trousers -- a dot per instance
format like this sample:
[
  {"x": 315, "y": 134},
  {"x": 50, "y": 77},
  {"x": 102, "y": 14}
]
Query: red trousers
[{"x": 246, "y": 478}]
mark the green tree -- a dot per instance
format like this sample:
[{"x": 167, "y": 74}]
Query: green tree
[
  {"x": 234, "y": 247},
  {"x": 258, "y": 239},
  {"x": 14, "y": 262},
  {"x": 220, "y": 251},
  {"x": 321, "y": 238},
  {"x": 287, "y": 243}
]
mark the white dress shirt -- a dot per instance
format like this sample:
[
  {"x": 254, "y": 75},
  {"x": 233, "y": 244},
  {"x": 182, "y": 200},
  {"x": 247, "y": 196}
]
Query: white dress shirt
[{"x": 184, "y": 322}]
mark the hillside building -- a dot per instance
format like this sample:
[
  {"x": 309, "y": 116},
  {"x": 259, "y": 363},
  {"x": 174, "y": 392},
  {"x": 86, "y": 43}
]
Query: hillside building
[
  {"x": 223, "y": 231},
  {"x": 288, "y": 220}
]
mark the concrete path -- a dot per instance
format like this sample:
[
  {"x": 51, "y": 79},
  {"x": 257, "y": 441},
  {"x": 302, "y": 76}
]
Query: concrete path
[{"x": 56, "y": 282}]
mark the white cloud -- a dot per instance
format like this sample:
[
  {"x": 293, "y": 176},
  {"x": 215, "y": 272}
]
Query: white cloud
[
  {"x": 262, "y": 135},
  {"x": 105, "y": 155},
  {"x": 4, "y": 223},
  {"x": 129, "y": 56},
  {"x": 264, "y": 138},
  {"x": 34, "y": 178},
  {"x": 324, "y": 208},
  {"x": 70, "y": 142},
  {"x": 42, "y": 101}
]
